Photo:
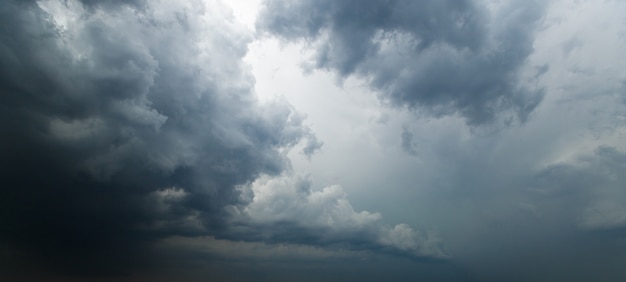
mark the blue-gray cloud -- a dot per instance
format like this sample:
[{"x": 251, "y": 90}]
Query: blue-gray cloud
[
  {"x": 111, "y": 111},
  {"x": 130, "y": 122},
  {"x": 437, "y": 57}
]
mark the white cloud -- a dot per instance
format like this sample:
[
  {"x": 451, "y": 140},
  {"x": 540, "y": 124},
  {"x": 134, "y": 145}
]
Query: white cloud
[{"x": 288, "y": 204}]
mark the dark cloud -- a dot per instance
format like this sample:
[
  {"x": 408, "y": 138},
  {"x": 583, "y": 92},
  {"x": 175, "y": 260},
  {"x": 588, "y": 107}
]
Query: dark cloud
[
  {"x": 266, "y": 262},
  {"x": 564, "y": 221},
  {"x": 134, "y": 148},
  {"x": 573, "y": 214},
  {"x": 126, "y": 123},
  {"x": 588, "y": 192},
  {"x": 438, "y": 57},
  {"x": 407, "y": 142},
  {"x": 92, "y": 3}
]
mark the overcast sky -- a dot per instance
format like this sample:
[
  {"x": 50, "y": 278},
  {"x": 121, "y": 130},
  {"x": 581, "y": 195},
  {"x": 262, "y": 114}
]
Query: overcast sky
[{"x": 312, "y": 140}]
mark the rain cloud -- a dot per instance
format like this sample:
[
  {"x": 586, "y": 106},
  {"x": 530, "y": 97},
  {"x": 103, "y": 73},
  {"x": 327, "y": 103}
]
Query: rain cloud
[{"x": 436, "y": 57}]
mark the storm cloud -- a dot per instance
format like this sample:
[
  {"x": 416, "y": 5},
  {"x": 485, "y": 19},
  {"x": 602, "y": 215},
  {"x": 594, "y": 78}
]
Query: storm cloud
[
  {"x": 115, "y": 140},
  {"x": 272, "y": 140},
  {"x": 437, "y": 57},
  {"x": 112, "y": 111}
]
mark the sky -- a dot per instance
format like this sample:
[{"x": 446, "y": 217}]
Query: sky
[{"x": 312, "y": 140}]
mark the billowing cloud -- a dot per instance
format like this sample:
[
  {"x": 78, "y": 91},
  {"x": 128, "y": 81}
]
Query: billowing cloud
[
  {"x": 124, "y": 122},
  {"x": 287, "y": 209},
  {"x": 465, "y": 141},
  {"x": 116, "y": 140},
  {"x": 437, "y": 57}
]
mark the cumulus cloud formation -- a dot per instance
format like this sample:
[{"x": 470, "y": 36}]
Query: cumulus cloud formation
[
  {"x": 468, "y": 140},
  {"x": 114, "y": 140},
  {"x": 437, "y": 57},
  {"x": 128, "y": 121},
  {"x": 325, "y": 218}
]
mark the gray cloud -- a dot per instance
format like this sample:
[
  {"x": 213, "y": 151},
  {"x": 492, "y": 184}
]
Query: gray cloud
[
  {"x": 571, "y": 212},
  {"x": 407, "y": 142},
  {"x": 590, "y": 189},
  {"x": 437, "y": 57},
  {"x": 287, "y": 209},
  {"x": 134, "y": 147},
  {"x": 118, "y": 140},
  {"x": 125, "y": 123}
]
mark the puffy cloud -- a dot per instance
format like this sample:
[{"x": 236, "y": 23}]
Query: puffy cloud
[
  {"x": 133, "y": 143},
  {"x": 437, "y": 57},
  {"x": 287, "y": 209},
  {"x": 106, "y": 104}
]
